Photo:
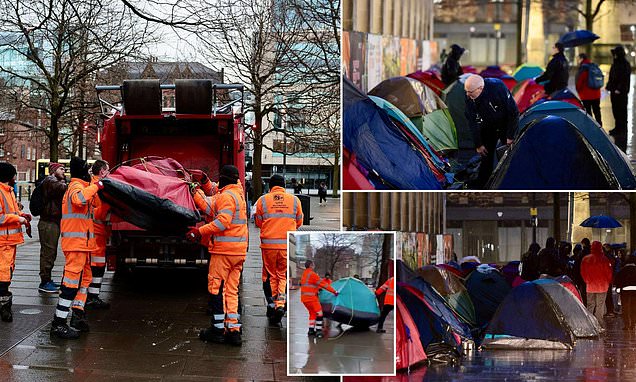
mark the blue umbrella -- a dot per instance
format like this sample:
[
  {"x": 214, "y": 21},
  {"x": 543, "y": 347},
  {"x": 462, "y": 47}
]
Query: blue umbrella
[
  {"x": 576, "y": 38},
  {"x": 601, "y": 221}
]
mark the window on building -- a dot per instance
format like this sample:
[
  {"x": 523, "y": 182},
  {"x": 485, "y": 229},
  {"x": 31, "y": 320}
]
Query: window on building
[
  {"x": 28, "y": 157},
  {"x": 2, "y": 130},
  {"x": 22, "y": 151},
  {"x": 1, "y": 149}
]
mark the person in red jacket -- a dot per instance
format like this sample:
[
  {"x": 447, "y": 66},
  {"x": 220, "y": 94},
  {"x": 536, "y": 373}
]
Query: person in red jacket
[
  {"x": 591, "y": 97},
  {"x": 310, "y": 285},
  {"x": 389, "y": 301},
  {"x": 596, "y": 271}
]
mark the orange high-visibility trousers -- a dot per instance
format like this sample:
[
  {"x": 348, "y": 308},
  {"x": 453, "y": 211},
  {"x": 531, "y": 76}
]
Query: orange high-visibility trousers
[
  {"x": 223, "y": 278},
  {"x": 315, "y": 313},
  {"x": 98, "y": 256},
  {"x": 275, "y": 267},
  {"x": 77, "y": 275},
  {"x": 7, "y": 262}
]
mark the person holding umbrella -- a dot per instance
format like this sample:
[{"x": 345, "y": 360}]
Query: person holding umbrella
[
  {"x": 557, "y": 72},
  {"x": 618, "y": 86}
]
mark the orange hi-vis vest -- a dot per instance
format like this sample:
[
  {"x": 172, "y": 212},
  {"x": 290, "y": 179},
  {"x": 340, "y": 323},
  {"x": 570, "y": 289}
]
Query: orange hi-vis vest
[
  {"x": 77, "y": 229},
  {"x": 101, "y": 213},
  {"x": 389, "y": 288},
  {"x": 277, "y": 213},
  {"x": 229, "y": 228},
  {"x": 310, "y": 285},
  {"x": 10, "y": 227}
]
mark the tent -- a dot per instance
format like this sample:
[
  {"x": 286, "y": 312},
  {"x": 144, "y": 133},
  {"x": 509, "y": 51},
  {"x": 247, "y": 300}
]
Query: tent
[
  {"x": 469, "y": 69},
  {"x": 409, "y": 350},
  {"x": 598, "y": 138},
  {"x": 566, "y": 95},
  {"x": 540, "y": 314},
  {"x": 494, "y": 71},
  {"x": 429, "y": 78},
  {"x": 368, "y": 131},
  {"x": 451, "y": 288},
  {"x": 510, "y": 271},
  {"x": 527, "y": 71},
  {"x": 456, "y": 270},
  {"x": 423, "y": 107},
  {"x": 355, "y": 305},
  {"x": 527, "y": 93},
  {"x": 552, "y": 154},
  {"x": 352, "y": 176},
  {"x": 455, "y": 97},
  {"x": 568, "y": 284},
  {"x": 486, "y": 290}
]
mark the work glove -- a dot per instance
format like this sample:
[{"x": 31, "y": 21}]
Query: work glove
[
  {"x": 28, "y": 217},
  {"x": 100, "y": 185},
  {"x": 28, "y": 229},
  {"x": 193, "y": 235},
  {"x": 199, "y": 176}
]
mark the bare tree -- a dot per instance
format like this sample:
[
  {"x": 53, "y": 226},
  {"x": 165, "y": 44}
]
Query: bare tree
[
  {"x": 66, "y": 42},
  {"x": 335, "y": 248}
]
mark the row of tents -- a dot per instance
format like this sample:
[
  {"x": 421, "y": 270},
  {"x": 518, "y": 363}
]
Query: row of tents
[
  {"x": 411, "y": 133},
  {"x": 442, "y": 310}
]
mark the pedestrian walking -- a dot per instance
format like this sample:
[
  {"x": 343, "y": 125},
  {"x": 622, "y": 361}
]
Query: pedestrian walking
[
  {"x": 618, "y": 86},
  {"x": 530, "y": 263},
  {"x": 310, "y": 285},
  {"x": 277, "y": 213},
  {"x": 557, "y": 72},
  {"x": 53, "y": 189},
  {"x": 588, "y": 87},
  {"x": 596, "y": 271},
  {"x": 227, "y": 247},
  {"x": 78, "y": 241},
  {"x": 626, "y": 283},
  {"x": 388, "y": 288},
  {"x": 452, "y": 69},
  {"x": 322, "y": 193},
  {"x": 101, "y": 222},
  {"x": 11, "y": 221},
  {"x": 492, "y": 115}
]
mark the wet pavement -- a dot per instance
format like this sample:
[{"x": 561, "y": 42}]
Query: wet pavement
[
  {"x": 610, "y": 358},
  {"x": 151, "y": 330},
  {"x": 608, "y": 118},
  {"x": 351, "y": 353}
]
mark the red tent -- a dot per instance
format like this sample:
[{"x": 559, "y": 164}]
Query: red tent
[
  {"x": 409, "y": 350},
  {"x": 430, "y": 79},
  {"x": 353, "y": 178},
  {"x": 527, "y": 93},
  {"x": 469, "y": 69}
]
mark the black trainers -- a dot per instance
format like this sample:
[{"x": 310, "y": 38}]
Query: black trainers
[
  {"x": 212, "y": 334},
  {"x": 311, "y": 332},
  {"x": 61, "y": 330},
  {"x": 319, "y": 334},
  {"x": 5, "y": 309},
  {"x": 94, "y": 302},
  {"x": 234, "y": 338},
  {"x": 79, "y": 321}
]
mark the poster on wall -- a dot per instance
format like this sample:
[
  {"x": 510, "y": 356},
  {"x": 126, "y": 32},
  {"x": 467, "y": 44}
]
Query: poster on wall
[
  {"x": 433, "y": 54},
  {"x": 398, "y": 245},
  {"x": 424, "y": 56},
  {"x": 390, "y": 56},
  {"x": 374, "y": 60},
  {"x": 423, "y": 249},
  {"x": 357, "y": 59},
  {"x": 439, "y": 253},
  {"x": 346, "y": 56},
  {"x": 409, "y": 249},
  {"x": 408, "y": 56},
  {"x": 449, "y": 248}
]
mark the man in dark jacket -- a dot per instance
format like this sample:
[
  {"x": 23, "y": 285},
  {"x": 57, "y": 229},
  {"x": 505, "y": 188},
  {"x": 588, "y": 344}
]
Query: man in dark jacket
[
  {"x": 576, "y": 271},
  {"x": 618, "y": 86},
  {"x": 530, "y": 263},
  {"x": 626, "y": 282},
  {"x": 556, "y": 73},
  {"x": 53, "y": 189},
  {"x": 451, "y": 70},
  {"x": 492, "y": 115},
  {"x": 549, "y": 259}
]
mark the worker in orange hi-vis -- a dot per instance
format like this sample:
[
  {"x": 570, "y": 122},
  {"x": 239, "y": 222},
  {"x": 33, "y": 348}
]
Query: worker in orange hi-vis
[
  {"x": 78, "y": 242},
  {"x": 277, "y": 213},
  {"x": 101, "y": 222},
  {"x": 11, "y": 221},
  {"x": 389, "y": 301},
  {"x": 227, "y": 247},
  {"x": 310, "y": 285}
]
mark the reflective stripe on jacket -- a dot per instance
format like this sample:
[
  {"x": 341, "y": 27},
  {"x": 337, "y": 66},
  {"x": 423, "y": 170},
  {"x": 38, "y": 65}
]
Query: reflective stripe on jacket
[
  {"x": 310, "y": 285},
  {"x": 389, "y": 288},
  {"x": 229, "y": 227},
  {"x": 10, "y": 227},
  {"x": 277, "y": 213},
  {"x": 77, "y": 229}
]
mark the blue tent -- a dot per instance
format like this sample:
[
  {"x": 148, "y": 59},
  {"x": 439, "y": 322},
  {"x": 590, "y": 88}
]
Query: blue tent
[
  {"x": 380, "y": 147},
  {"x": 355, "y": 304},
  {"x": 486, "y": 289},
  {"x": 540, "y": 314},
  {"x": 552, "y": 154},
  {"x": 595, "y": 135}
]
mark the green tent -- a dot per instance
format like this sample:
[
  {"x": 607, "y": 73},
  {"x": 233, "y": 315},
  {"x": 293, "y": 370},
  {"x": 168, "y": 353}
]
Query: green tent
[
  {"x": 455, "y": 97},
  {"x": 451, "y": 288}
]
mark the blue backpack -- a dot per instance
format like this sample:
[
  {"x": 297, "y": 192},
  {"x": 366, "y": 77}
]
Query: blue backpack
[{"x": 595, "y": 78}]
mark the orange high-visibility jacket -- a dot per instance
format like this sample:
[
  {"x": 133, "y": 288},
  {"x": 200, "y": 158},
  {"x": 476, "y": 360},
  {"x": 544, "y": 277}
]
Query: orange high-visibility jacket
[
  {"x": 310, "y": 285},
  {"x": 277, "y": 213},
  {"x": 209, "y": 188},
  {"x": 204, "y": 204},
  {"x": 229, "y": 228},
  {"x": 10, "y": 227},
  {"x": 77, "y": 229},
  {"x": 389, "y": 288},
  {"x": 101, "y": 213}
]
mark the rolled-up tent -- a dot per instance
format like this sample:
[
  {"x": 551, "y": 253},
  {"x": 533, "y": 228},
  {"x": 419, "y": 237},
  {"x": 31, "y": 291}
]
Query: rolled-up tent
[{"x": 355, "y": 305}]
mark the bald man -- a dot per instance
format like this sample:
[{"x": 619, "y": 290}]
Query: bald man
[{"x": 492, "y": 114}]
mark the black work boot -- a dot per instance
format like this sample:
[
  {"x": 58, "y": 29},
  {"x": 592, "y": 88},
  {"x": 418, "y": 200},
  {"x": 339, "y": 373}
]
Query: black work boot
[
  {"x": 212, "y": 334},
  {"x": 5, "y": 308},
  {"x": 319, "y": 333},
  {"x": 278, "y": 315},
  {"x": 311, "y": 332},
  {"x": 60, "y": 329},
  {"x": 233, "y": 338},
  {"x": 94, "y": 302},
  {"x": 79, "y": 321}
]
